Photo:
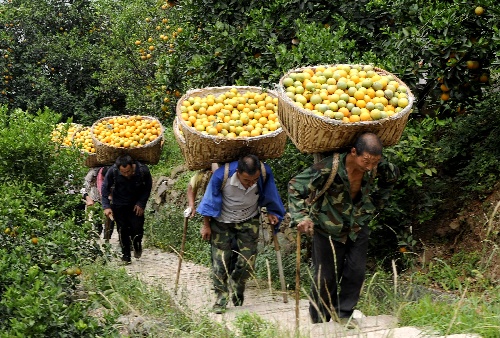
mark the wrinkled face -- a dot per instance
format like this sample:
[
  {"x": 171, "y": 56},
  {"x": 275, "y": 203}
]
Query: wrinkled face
[
  {"x": 366, "y": 161},
  {"x": 248, "y": 180},
  {"x": 127, "y": 171}
]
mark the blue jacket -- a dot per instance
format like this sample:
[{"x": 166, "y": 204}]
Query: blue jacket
[{"x": 211, "y": 203}]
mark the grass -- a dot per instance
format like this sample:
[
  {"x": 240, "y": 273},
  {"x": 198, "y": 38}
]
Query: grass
[
  {"x": 123, "y": 299},
  {"x": 117, "y": 294}
]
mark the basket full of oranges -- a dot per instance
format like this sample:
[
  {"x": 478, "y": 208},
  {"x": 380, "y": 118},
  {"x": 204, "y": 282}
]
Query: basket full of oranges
[
  {"x": 324, "y": 108},
  {"x": 221, "y": 124},
  {"x": 83, "y": 141},
  {"x": 141, "y": 137}
]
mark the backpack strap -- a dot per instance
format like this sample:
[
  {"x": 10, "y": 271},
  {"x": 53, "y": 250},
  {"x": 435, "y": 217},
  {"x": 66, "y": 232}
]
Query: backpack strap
[
  {"x": 226, "y": 175},
  {"x": 263, "y": 171},
  {"x": 331, "y": 177}
]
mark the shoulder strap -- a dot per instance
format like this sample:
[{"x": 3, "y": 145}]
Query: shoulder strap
[
  {"x": 226, "y": 175},
  {"x": 331, "y": 177},
  {"x": 263, "y": 171}
]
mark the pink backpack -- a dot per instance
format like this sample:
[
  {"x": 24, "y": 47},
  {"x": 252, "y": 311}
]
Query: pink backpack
[{"x": 99, "y": 181}]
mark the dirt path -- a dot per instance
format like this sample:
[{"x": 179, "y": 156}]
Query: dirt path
[{"x": 194, "y": 291}]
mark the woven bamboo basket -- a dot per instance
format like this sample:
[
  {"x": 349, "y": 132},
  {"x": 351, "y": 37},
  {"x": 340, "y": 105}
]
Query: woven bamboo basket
[
  {"x": 315, "y": 134},
  {"x": 201, "y": 150},
  {"x": 107, "y": 155},
  {"x": 179, "y": 137}
]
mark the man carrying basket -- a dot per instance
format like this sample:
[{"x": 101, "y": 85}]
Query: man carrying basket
[
  {"x": 231, "y": 209},
  {"x": 357, "y": 184},
  {"x": 130, "y": 182}
]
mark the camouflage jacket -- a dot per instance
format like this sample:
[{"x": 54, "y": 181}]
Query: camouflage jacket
[{"x": 335, "y": 213}]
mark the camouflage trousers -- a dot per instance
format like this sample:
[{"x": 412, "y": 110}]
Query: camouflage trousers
[{"x": 223, "y": 234}]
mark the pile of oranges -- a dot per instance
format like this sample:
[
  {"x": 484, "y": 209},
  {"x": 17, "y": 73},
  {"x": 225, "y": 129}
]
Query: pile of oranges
[
  {"x": 63, "y": 133},
  {"x": 83, "y": 140},
  {"x": 127, "y": 131},
  {"x": 231, "y": 114},
  {"x": 349, "y": 93}
]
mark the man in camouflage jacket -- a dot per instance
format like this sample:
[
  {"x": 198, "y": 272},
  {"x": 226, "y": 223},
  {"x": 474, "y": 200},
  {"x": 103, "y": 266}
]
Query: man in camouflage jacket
[{"x": 340, "y": 219}]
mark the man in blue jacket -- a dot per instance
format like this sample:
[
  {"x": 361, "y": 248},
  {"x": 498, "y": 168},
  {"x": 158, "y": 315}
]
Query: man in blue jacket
[
  {"x": 130, "y": 183},
  {"x": 231, "y": 209}
]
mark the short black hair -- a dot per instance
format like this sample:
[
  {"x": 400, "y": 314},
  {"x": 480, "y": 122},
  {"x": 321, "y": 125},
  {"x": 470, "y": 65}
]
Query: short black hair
[
  {"x": 124, "y": 161},
  {"x": 369, "y": 143},
  {"x": 249, "y": 164}
]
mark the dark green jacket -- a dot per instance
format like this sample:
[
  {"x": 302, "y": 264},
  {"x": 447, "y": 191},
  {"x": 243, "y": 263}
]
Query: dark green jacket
[{"x": 335, "y": 213}]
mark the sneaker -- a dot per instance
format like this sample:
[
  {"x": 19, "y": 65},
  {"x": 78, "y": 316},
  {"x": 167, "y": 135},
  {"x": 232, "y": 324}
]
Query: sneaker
[
  {"x": 349, "y": 323},
  {"x": 238, "y": 299},
  {"x": 219, "y": 308},
  {"x": 137, "y": 250}
]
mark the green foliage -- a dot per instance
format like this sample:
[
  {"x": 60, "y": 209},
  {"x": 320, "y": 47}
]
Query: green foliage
[
  {"x": 252, "y": 326},
  {"x": 50, "y": 55},
  {"x": 471, "y": 148},
  {"x": 164, "y": 229},
  {"x": 120, "y": 294},
  {"x": 43, "y": 235},
  {"x": 32, "y": 276},
  {"x": 478, "y": 314}
]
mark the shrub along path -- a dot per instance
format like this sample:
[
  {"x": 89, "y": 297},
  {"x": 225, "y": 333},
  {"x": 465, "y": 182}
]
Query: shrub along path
[{"x": 194, "y": 291}]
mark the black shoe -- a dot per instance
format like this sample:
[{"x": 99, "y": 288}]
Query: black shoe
[
  {"x": 137, "y": 250},
  {"x": 126, "y": 260},
  {"x": 238, "y": 300},
  {"x": 219, "y": 308}
]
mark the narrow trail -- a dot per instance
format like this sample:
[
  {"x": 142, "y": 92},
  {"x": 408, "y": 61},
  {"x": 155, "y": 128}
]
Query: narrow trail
[{"x": 156, "y": 267}]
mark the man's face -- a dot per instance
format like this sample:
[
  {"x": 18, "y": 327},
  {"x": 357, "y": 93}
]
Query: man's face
[
  {"x": 247, "y": 180},
  {"x": 127, "y": 171},
  {"x": 366, "y": 161}
]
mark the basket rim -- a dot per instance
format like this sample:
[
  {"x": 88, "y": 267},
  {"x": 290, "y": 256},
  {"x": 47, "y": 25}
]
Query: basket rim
[
  {"x": 281, "y": 91},
  {"x": 175, "y": 126},
  {"x": 97, "y": 142},
  {"x": 218, "y": 139}
]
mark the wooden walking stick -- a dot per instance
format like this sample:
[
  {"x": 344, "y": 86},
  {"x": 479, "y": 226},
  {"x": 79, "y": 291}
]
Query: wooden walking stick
[
  {"x": 280, "y": 266},
  {"x": 297, "y": 283},
  {"x": 181, "y": 253}
]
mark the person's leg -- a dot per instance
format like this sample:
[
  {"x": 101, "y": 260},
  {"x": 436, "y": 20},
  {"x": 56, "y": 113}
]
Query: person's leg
[
  {"x": 234, "y": 256},
  {"x": 353, "y": 275},
  {"x": 247, "y": 236},
  {"x": 327, "y": 262},
  {"x": 136, "y": 233},
  {"x": 123, "y": 215},
  {"x": 220, "y": 240}
]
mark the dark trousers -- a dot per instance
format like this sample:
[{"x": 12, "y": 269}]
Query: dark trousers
[
  {"x": 339, "y": 272},
  {"x": 130, "y": 227}
]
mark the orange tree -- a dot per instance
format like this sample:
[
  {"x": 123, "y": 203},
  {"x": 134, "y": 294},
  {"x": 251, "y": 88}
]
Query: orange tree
[
  {"x": 50, "y": 54},
  {"x": 43, "y": 239}
]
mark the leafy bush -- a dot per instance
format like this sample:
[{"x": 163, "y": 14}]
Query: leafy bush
[{"x": 43, "y": 238}]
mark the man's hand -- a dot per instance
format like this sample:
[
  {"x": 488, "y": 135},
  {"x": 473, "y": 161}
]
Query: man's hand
[
  {"x": 138, "y": 210},
  {"x": 89, "y": 201},
  {"x": 273, "y": 219},
  {"x": 108, "y": 213},
  {"x": 190, "y": 212},
  {"x": 306, "y": 227},
  {"x": 205, "y": 232}
]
